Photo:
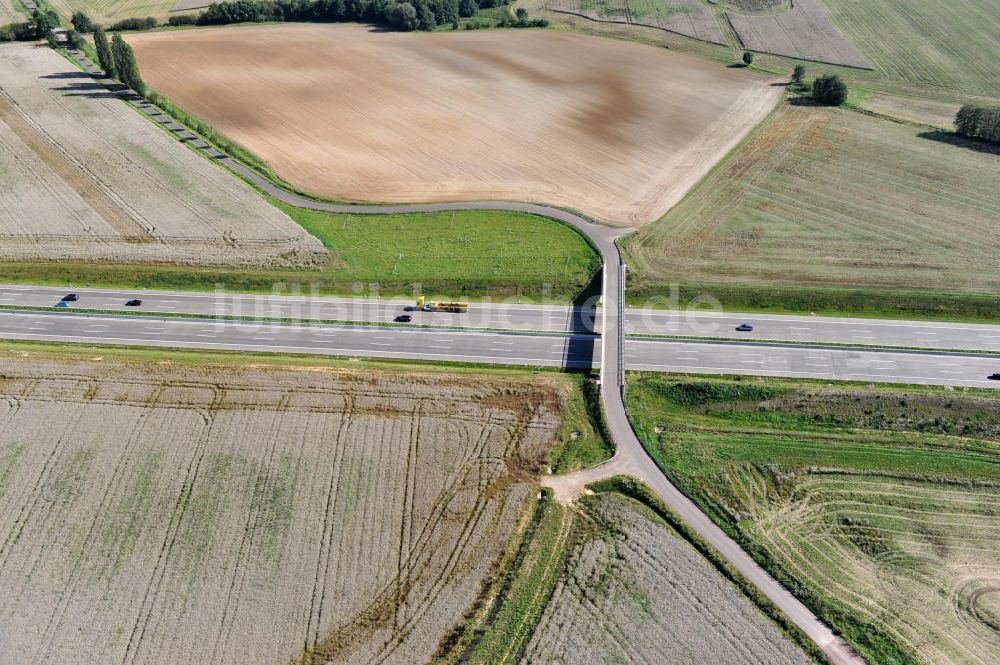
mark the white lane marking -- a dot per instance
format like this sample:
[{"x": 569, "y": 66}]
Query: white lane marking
[{"x": 204, "y": 335}]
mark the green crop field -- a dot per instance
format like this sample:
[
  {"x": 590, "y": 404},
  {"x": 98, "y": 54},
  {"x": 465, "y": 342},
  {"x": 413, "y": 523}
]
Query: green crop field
[
  {"x": 943, "y": 45},
  {"x": 470, "y": 254},
  {"x": 878, "y": 506},
  {"x": 834, "y": 199}
]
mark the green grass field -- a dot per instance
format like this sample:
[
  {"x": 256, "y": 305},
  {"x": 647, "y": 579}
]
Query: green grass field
[
  {"x": 470, "y": 254},
  {"x": 836, "y": 199},
  {"x": 876, "y": 505}
]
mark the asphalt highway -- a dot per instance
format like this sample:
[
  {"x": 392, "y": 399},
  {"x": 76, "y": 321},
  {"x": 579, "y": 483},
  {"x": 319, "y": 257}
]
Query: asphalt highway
[
  {"x": 515, "y": 316},
  {"x": 513, "y": 348}
]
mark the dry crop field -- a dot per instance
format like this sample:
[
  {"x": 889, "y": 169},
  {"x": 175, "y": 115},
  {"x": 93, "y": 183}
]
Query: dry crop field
[
  {"x": 85, "y": 177},
  {"x": 616, "y": 130},
  {"x": 156, "y": 511},
  {"x": 691, "y": 18},
  {"x": 803, "y": 31},
  {"x": 107, "y": 11},
  {"x": 877, "y": 506},
  {"x": 835, "y": 198},
  {"x": 8, "y": 14},
  {"x": 634, "y": 592}
]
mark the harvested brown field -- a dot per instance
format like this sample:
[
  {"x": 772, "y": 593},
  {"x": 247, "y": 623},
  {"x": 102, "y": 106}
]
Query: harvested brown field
[
  {"x": 85, "y": 177},
  {"x": 802, "y": 31},
  {"x": 691, "y": 18},
  {"x": 634, "y": 592},
  {"x": 617, "y": 130},
  {"x": 168, "y": 512}
]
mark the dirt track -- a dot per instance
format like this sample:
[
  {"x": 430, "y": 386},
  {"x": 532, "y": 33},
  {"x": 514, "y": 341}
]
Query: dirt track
[{"x": 616, "y": 130}]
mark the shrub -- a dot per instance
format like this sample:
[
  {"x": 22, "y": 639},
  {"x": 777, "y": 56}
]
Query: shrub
[
  {"x": 747, "y": 58},
  {"x": 403, "y": 16},
  {"x": 830, "y": 90},
  {"x": 798, "y": 74},
  {"x": 134, "y": 24},
  {"x": 81, "y": 22},
  {"x": 186, "y": 19},
  {"x": 979, "y": 122}
]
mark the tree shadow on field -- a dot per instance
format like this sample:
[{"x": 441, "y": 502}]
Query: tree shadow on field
[
  {"x": 805, "y": 101},
  {"x": 579, "y": 350},
  {"x": 960, "y": 141},
  {"x": 66, "y": 75}
]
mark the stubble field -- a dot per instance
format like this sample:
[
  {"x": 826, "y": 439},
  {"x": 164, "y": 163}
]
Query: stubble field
[
  {"x": 691, "y": 18},
  {"x": 616, "y": 130},
  {"x": 108, "y": 11},
  {"x": 83, "y": 177},
  {"x": 634, "y": 592},
  {"x": 8, "y": 14},
  {"x": 164, "y": 513},
  {"x": 833, "y": 198},
  {"x": 800, "y": 31},
  {"x": 939, "y": 46},
  {"x": 877, "y": 506}
]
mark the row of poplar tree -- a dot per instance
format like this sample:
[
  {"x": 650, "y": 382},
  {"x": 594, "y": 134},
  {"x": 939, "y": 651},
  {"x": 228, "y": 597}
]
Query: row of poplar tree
[{"x": 118, "y": 60}]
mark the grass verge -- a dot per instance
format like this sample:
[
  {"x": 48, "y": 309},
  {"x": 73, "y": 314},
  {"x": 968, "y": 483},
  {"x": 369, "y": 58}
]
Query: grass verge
[
  {"x": 782, "y": 299},
  {"x": 582, "y": 441},
  {"x": 468, "y": 254},
  {"x": 503, "y": 633}
]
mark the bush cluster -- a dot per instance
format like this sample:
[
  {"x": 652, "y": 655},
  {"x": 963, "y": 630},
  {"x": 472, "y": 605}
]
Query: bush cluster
[
  {"x": 979, "y": 122},
  {"x": 829, "y": 89},
  {"x": 41, "y": 23},
  {"x": 133, "y": 24}
]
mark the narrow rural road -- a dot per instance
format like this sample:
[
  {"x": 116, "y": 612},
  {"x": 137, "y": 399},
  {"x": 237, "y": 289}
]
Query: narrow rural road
[{"x": 630, "y": 457}]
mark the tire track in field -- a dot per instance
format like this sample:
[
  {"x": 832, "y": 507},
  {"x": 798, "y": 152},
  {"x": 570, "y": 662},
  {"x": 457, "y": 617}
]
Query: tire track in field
[
  {"x": 409, "y": 489},
  {"x": 170, "y": 535},
  {"x": 35, "y": 495},
  {"x": 240, "y": 563},
  {"x": 58, "y": 615},
  {"x": 73, "y": 173},
  {"x": 318, "y": 595}
]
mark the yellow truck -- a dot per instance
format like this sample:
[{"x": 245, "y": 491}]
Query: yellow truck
[{"x": 434, "y": 306}]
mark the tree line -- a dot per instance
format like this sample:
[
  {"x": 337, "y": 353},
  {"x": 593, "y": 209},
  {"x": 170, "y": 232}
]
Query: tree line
[
  {"x": 118, "y": 60},
  {"x": 976, "y": 121},
  {"x": 400, "y": 14}
]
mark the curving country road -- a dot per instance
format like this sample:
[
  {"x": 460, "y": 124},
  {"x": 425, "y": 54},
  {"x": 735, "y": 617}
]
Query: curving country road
[{"x": 630, "y": 457}]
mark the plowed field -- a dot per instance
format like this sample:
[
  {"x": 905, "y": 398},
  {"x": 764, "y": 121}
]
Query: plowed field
[
  {"x": 616, "y": 130},
  {"x": 169, "y": 514}
]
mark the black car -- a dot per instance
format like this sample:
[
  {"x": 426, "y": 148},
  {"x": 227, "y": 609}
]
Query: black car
[
  {"x": 744, "y": 327},
  {"x": 403, "y": 318},
  {"x": 71, "y": 297},
  {"x": 135, "y": 302},
  {"x": 994, "y": 377}
]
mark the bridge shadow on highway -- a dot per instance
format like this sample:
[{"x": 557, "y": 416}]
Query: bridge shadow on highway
[{"x": 582, "y": 343}]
